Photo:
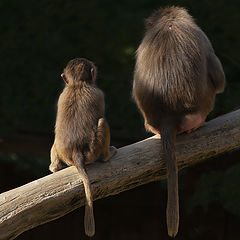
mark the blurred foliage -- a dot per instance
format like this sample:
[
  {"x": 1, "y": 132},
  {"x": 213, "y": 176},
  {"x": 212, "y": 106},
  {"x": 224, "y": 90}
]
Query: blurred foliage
[
  {"x": 24, "y": 164},
  {"x": 222, "y": 186},
  {"x": 38, "y": 38}
]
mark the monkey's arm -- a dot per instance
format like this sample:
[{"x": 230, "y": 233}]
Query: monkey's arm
[{"x": 215, "y": 72}]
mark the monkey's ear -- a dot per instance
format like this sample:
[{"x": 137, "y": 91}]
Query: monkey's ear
[
  {"x": 93, "y": 74},
  {"x": 64, "y": 78}
]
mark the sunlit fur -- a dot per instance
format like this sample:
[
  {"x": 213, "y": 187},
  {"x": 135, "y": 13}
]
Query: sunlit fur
[
  {"x": 82, "y": 134},
  {"x": 176, "y": 78}
]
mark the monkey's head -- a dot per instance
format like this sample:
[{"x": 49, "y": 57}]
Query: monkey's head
[
  {"x": 79, "y": 70},
  {"x": 166, "y": 15}
]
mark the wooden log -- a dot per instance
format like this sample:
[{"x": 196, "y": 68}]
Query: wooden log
[{"x": 57, "y": 194}]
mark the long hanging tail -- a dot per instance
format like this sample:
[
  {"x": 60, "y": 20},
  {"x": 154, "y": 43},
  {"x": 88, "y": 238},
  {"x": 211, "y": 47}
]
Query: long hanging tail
[
  {"x": 168, "y": 134},
  {"x": 89, "y": 223}
]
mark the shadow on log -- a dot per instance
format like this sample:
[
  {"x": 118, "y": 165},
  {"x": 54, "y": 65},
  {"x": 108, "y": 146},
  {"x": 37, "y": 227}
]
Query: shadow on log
[{"x": 57, "y": 194}]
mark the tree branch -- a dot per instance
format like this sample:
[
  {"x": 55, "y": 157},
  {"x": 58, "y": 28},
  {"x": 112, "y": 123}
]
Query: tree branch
[{"x": 57, "y": 194}]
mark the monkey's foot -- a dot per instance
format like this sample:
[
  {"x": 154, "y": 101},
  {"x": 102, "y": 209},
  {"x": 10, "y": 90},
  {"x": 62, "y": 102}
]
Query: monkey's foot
[
  {"x": 112, "y": 152},
  {"x": 54, "y": 167},
  {"x": 190, "y": 123},
  {"x": 193, "y": 129}
]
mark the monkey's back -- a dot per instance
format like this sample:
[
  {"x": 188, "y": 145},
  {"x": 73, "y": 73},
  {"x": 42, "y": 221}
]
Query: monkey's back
[
  {"x": 170, "y": 69},
  {"x": 79, "y": 109}
]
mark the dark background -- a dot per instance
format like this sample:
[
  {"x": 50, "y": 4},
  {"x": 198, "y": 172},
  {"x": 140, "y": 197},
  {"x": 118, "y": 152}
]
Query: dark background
[{"x": 38, "y": 38}]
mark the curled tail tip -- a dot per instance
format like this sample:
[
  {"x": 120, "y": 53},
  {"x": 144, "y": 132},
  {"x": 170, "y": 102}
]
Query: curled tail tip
[
  {"x": 90, "y": 228},
  {"x": 172, "y": 225},
  {"x": 172, "y": 233},
  {"x": 173, "y": 230},
  {"x": 89, "y": 222},
  {"x": 90, "y": 232}
]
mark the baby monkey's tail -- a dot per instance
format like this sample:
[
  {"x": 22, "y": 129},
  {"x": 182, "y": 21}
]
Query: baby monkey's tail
[{"x": 89, "y": 223}]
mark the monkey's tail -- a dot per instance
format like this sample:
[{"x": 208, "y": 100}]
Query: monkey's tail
[
  {"x": 89, "y": 223},
  {"x": 168, "y": 135}
]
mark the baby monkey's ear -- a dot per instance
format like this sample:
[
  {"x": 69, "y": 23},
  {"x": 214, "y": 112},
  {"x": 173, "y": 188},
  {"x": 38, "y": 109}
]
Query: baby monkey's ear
[{"x": 64, "y": 78}]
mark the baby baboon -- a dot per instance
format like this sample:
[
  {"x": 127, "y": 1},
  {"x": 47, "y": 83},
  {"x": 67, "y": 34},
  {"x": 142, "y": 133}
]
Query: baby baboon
[
  {"x": 82, "y": 134},
  {"x": 176, "y": 78}
]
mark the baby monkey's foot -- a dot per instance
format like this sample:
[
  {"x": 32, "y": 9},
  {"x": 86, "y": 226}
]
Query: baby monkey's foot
[
  {"x": 54, "y": 167},
  {"x": 112, "y": 152}
]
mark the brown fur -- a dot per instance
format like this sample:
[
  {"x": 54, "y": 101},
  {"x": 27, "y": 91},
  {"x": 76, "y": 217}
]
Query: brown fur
[
  {"x": 176, "y": 78},
  {"x": 82, "y": 134}
]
